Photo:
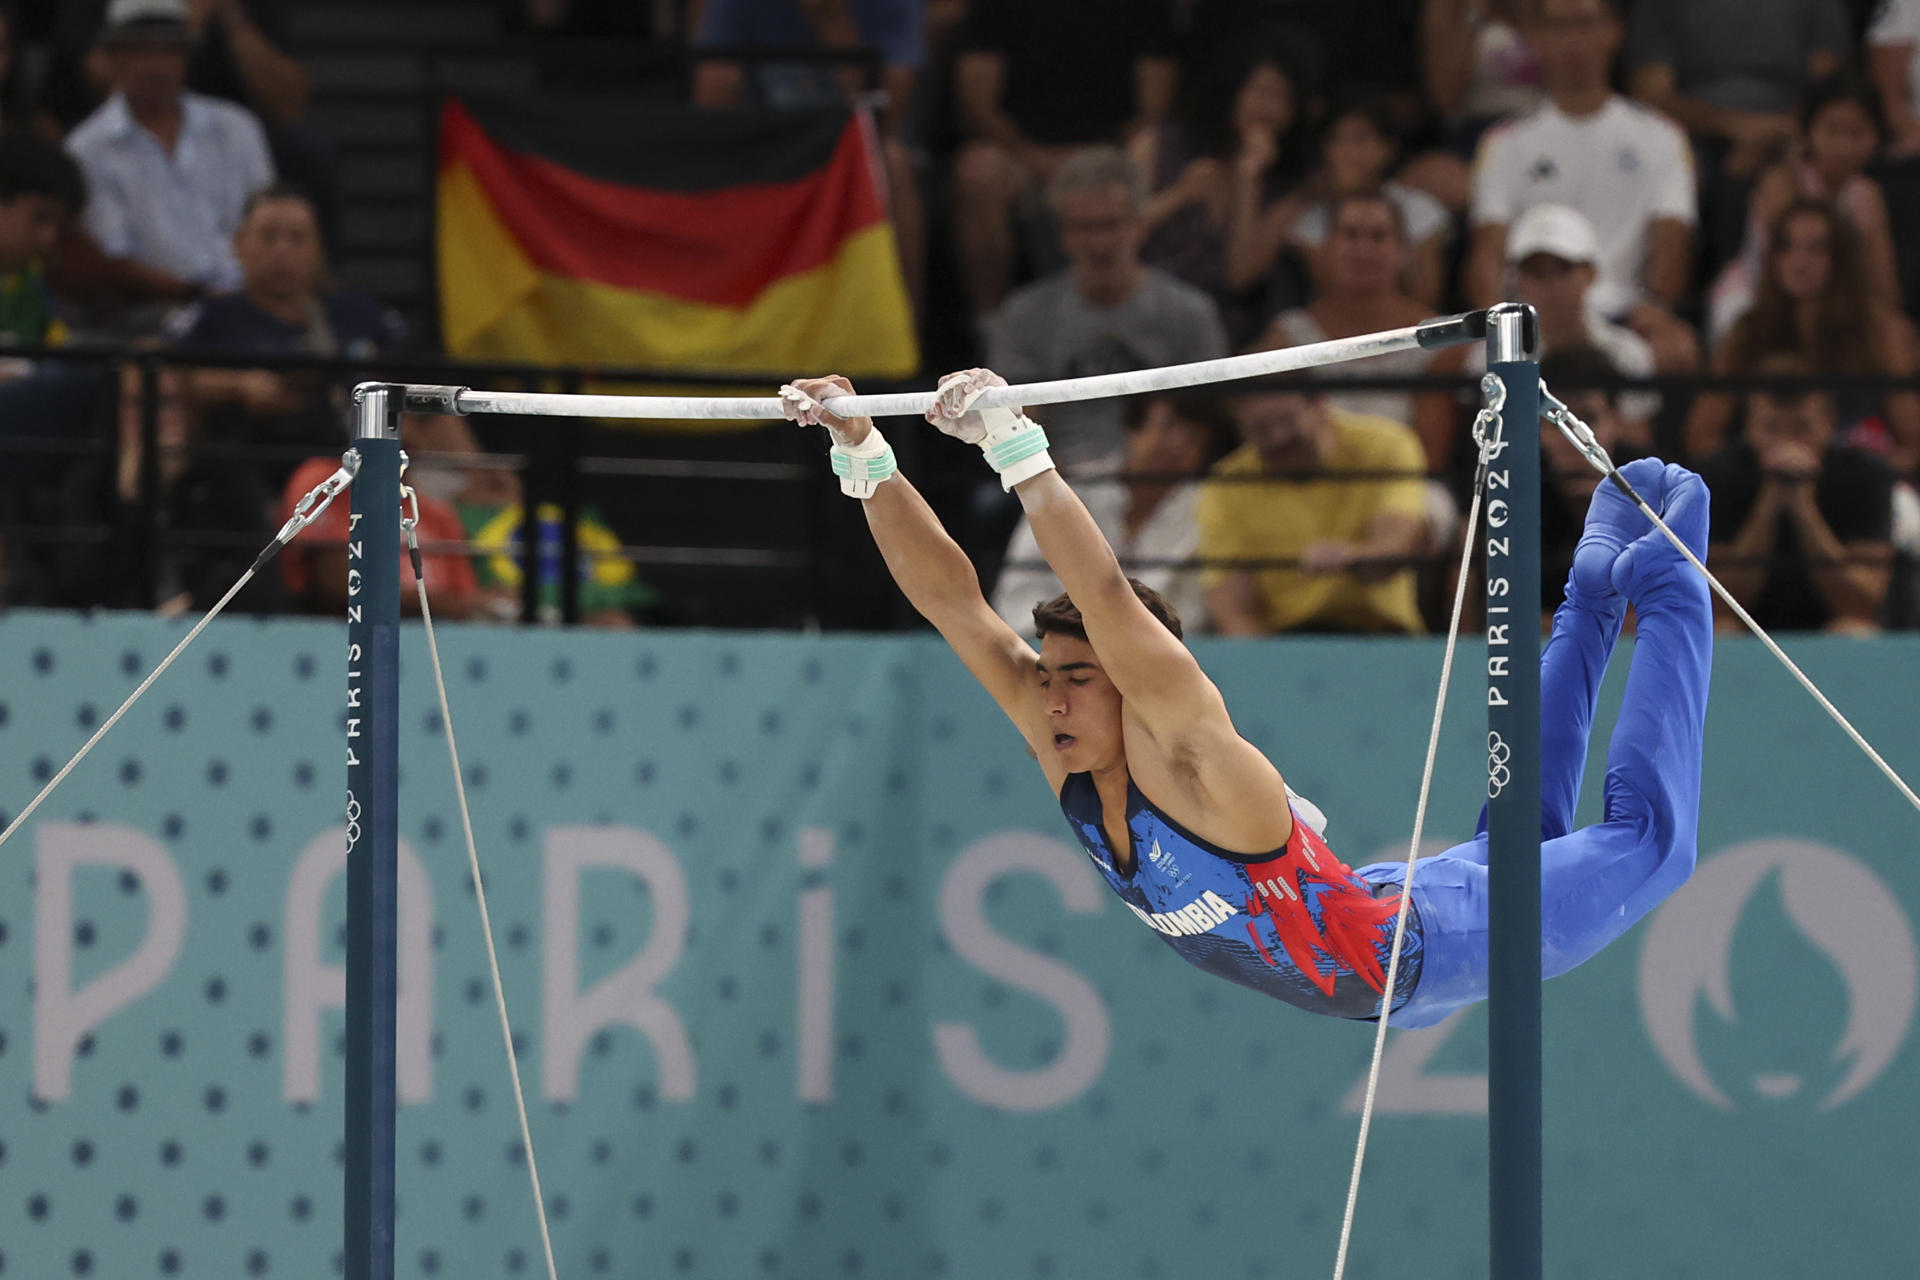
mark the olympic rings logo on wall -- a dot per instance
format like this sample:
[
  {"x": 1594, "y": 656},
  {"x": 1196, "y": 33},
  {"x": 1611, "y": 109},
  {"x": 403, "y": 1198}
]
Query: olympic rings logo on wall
[{"x": 1498, "y": 775}]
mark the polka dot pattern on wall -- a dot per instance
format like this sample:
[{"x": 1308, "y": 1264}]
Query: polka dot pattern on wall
[{"x": 178, "y": 1152}]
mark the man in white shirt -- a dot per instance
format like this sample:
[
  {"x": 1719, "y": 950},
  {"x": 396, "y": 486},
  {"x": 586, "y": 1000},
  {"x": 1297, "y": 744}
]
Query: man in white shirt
[
  {"x": 1628, "y": 169},
  {"x": 1553, "y": 254},
  {"x": 168, "y": 171}
]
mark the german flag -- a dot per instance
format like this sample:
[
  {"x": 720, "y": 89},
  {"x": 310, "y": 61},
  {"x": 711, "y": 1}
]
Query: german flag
[{"x": 726, "y": 241}]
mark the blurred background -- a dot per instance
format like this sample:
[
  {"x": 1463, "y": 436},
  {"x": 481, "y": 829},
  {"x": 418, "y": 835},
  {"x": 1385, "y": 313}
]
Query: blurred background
[
  {"x": 220, "y": 214},
  {"x": 807, "y": 980}
]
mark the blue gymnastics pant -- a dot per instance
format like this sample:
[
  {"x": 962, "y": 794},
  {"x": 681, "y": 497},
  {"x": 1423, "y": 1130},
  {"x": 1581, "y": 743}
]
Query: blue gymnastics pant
[{"x": 1597, "y": 881}]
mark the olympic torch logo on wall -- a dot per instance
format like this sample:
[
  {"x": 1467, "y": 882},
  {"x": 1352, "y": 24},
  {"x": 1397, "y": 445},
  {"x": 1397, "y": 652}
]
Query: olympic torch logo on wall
[{"x": 1498, "y": 775}]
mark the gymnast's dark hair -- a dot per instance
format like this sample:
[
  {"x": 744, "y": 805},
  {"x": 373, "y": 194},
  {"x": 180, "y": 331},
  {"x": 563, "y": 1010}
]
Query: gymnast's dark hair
[{"x": 1058, "y": 616}]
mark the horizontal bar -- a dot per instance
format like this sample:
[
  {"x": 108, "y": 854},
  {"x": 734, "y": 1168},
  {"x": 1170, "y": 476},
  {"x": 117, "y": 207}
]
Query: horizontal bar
[
  {"x": 397, "y": 370},
  {"x": 1143, "y": 381},
  {"x": 1448, "y": 331}
]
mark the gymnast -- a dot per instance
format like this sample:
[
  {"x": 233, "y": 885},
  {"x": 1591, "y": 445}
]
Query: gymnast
[{"x": 1193, "y": 827}]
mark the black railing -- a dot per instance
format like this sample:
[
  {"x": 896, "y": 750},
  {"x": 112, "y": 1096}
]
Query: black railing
[
  {"x": 555, "y": 458},
  {"x": 809, "y": 563}
]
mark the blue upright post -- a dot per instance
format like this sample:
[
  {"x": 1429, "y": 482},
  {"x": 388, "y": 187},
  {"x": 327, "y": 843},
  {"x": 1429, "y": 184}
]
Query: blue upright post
[
  {"x": 373, "y": 746},
  {"x": 1513, "y": 798}
]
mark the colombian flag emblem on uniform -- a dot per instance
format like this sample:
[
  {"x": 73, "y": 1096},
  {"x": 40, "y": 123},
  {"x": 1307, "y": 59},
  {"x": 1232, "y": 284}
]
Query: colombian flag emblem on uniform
[{"x": 640, "y": 235}]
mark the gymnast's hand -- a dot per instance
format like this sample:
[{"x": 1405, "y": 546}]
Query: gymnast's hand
[
  {"x": 801, "y": 400},
  {"x": 952, "y": 409}
]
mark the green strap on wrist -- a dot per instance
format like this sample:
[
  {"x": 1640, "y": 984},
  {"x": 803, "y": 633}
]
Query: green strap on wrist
[{"x": 1017, "y": 448}]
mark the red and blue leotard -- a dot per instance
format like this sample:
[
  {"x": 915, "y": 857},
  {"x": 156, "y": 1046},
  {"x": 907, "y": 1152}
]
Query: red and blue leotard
[
  {"x": 1296, "y": 923},
  {"x": 1299, "y": 925}
]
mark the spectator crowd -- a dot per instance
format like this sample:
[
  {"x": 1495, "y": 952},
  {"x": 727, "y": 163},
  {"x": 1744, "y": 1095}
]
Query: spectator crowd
[{"x": 1679, "y": 187}]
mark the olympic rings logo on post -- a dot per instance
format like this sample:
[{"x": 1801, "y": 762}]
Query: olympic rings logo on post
[{"x": 1498, "y": 775}]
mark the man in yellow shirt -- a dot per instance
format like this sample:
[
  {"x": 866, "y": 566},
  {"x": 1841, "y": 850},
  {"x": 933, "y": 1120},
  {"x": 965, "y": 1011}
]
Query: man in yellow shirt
[{"x": 1283, "y": 496}]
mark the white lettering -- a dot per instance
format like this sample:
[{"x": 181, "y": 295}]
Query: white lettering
[
  {"x": 1496, "y": 480},
  {"x": 313, "y": 986},
  {"x": 1495, "y": 698},
  {"x": 353, "y": 551},
  {"x": 353, "y": 613},
  {"x": 353, "y": 726},
  {"x": 814, "y": 1048},
  {"x": 625, "y": 997},
  {"x": 353, "y": 582},
  {"x": 1497, "y": 514},
  {"x": 1497, "y": 547},
  {"x": 1407, "y": 1088},
  {"x": 963, "y": 922},
  {"x": 62, "y": 1017},
  {"x": 1496, "y": 664},
  {"x": 1496, "y": 634},
  {"x": 1499, "y": 587},
  {"x": 353, "y": 695},
  {"x": 1204, "y": 913}
]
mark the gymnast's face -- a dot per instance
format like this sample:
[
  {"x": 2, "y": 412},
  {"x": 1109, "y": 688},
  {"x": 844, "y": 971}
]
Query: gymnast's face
[{"x": 1082, "y": 705}]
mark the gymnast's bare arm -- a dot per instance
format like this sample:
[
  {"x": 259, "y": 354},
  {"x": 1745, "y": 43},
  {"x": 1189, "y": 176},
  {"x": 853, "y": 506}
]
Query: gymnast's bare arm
[
  {"x": 938, "y": 580},
  {"x": 1181, "y": 744}
]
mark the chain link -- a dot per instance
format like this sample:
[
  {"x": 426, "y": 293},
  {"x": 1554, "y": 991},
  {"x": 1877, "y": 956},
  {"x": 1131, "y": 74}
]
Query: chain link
[
  {"x": 1488, "y": 425},
  {"x": 410, "y": 521}
]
